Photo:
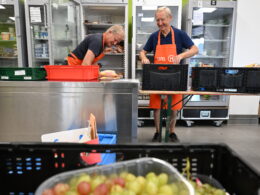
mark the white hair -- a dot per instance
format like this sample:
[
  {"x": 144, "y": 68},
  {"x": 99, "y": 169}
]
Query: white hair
[{"x": 164, "y": 9}]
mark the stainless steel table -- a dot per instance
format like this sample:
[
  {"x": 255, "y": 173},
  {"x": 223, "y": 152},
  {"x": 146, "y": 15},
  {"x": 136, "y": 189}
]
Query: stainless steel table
[{"x": 29, "y": 109}]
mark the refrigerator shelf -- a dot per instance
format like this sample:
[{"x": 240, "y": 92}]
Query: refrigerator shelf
[
  {"x": 212, "y": 25},
  {"x": 38, "y": 39},
  {"x": 7, "y": 23},
  {"x": 210, "y": 57},
  {"x": 114, "y": 54},
  {"x": 47, "y": 59},
  {"x": 112, "y": 68},
  {"x": 90, "y": 25},
  {"x": 216, "y": 40},
  {"x": 8, "y": 58},
  {"x": 7, "y": 40}
]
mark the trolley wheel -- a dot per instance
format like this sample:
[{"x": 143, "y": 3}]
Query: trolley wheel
[
  {"x": 140, "y": 123},
  {"x": 189, "y": 123},
  {"x": 217, "y": 123}
]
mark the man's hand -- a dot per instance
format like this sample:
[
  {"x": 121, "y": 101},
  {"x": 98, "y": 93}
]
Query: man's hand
[
  {"x": 143, "y": 57},
  {"x": 177, "y": 59},
  {"x": 145, "y": 61}
]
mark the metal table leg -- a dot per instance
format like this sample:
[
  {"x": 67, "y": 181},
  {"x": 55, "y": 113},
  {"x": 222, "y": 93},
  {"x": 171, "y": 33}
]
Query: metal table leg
[{"x": 168, "y": 117}]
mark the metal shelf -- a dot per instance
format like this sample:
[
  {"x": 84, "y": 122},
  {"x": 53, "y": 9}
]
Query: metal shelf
[
  {"x": 215, "y": 40},
  {"x": 7, "y": 40},
  {"x": 112, "y": 68},
  {"x": 148, "y": 54},
  {"x": 143, "y": 33},
  {"x": 213, "y": 25},
  {"x": 38, "y": 39},
  {"x": 8, "y": 58},
  {"x": 7, "y": 23},
  {"x": 100, "y": 26},
  {"x": 217, "y": 57},
  {"x": 44, "y": 59},
  {"x": 114, "y": 54}
]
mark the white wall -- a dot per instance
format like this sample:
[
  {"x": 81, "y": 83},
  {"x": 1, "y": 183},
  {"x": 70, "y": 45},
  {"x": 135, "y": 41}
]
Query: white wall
[{"x": 246, "y": 51}]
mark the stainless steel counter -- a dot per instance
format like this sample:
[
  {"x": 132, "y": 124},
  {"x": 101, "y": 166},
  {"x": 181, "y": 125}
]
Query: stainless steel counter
[{"x": 29, "y": 109}]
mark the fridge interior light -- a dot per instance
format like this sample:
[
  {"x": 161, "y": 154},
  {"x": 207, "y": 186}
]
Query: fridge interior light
[
  {"x": 2, "y": 7},
  {"x": 207, "y": 9},
  {"x": 147, "y": 19},
  {"x": 149, "y": 7},
  {"x": 102, "y": 8},
  {"x": 12, "y": 18}
]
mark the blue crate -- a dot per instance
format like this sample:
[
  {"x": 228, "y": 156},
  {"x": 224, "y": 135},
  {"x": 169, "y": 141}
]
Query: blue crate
[{"x": 107, "y": 158}]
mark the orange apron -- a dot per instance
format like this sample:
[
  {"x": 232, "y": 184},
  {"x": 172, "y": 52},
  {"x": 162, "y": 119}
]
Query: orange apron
[
  {"x": 163, "y": 55},
  {"x": 75, "y": 61}
]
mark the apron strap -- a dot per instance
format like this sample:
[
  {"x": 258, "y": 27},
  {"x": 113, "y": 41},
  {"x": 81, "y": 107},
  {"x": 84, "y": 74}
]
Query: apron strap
[{"x": 159, "y": 37}]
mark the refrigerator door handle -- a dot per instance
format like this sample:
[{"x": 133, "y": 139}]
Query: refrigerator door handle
[
  {"x": 18, "y": 30},
  {"x": 45, "y": 15},
  {"x": 77, "y": 1}
]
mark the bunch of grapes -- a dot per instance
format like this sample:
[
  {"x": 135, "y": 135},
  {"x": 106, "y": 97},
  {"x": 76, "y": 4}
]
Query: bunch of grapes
[{"x": 119, "y": 184}]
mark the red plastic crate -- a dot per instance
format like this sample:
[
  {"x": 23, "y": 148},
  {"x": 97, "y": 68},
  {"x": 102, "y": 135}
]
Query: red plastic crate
[{"x": 72, "y": 73}]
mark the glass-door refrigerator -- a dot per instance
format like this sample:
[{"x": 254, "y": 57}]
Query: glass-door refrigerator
[
  {"x": 53, "y": 30},
  {"x": 211, "y": 25},
  {"x": 144, "y": 24},
  {"x": 97, "y": 17},
  {"x": 13, "y": 52}
]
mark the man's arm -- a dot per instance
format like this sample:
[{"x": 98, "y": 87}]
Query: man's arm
[
  {"x": 143, "y": 57},
  {"x": 89, "y": 58},
  {"x": 189, "y": 53}
]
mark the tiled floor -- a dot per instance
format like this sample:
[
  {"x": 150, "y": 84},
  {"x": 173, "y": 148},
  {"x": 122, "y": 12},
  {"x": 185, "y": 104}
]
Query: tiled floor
[{"x": 243, "y": 139}]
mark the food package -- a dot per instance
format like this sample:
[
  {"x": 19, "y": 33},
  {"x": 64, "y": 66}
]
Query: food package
[
  {"x": 253, "y": 65},
  {"x": 108, "y": 75}
]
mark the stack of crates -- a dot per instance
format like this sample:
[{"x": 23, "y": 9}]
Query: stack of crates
[{"x": 220, "y": 79}]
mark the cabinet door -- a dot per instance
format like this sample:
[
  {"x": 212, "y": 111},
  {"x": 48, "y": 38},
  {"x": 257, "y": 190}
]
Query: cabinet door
[
  {"x": 38, "y": 35},
  {"x": 8, "y": 38},
  {"x": 64, "y": 30},
  {"x": 212, "y": 33}
]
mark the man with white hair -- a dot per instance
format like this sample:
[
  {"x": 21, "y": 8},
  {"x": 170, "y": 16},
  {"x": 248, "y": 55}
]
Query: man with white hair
[
  {"x": 90, "y": 50},
  {"x": 168, "y": 45}
]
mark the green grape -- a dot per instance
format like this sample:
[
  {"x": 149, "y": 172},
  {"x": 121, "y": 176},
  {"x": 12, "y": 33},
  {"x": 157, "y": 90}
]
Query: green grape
[
  {"x": 166, "y": 190},
  {"x": 175, "y": 188},
  {"x": 162, "y": 179},
  {"x": 151, "y": 188},
  {"x": 150, "y": 175}
]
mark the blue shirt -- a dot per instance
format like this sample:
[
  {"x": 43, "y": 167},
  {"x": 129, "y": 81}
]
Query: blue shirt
[{"x": 182, "y": 40}]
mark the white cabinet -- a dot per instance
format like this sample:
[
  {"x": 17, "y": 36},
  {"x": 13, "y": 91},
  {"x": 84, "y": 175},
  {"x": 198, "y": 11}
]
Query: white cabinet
[
  {"x": 212, "y": 29},
  {"x": 12, "y": 34},
  {"x": 52, "y": 30},
  {"x": 97, "y": 17}
]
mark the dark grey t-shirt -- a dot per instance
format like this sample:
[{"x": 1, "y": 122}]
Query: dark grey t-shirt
[{"x": 92, "y": 42}]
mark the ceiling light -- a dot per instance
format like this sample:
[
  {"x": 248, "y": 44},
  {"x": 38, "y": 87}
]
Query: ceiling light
[
  {"x": 149, "y": 7},
  {"x": 207, "y": 9},
  {"x": 12, "y": 18}
]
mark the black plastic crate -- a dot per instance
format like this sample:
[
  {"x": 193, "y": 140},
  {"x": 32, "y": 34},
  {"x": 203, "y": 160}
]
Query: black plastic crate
[
  {"x": 231, "y": 80},
  {"x": 253, "y": 80},
  {"x": 219, "y": 79},
  {"x": 204, "y": 79},
  {"x": 23, "y": 167},
  {"x": 165, "y": 77}
]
